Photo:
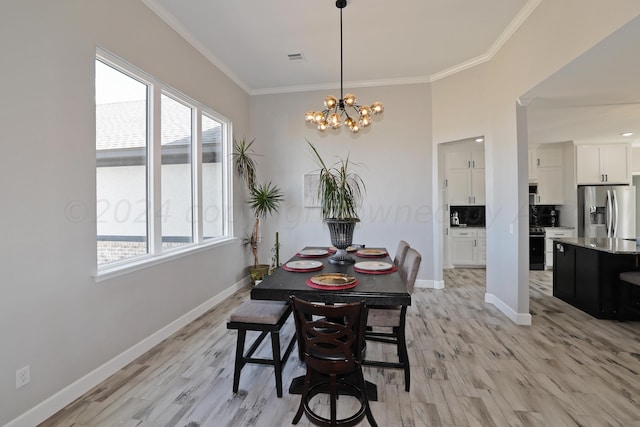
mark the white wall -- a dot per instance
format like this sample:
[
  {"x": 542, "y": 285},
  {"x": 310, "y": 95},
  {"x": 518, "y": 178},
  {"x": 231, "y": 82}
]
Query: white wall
[
  {"x": 395, "y": 154},
  {"x": 53, "y": 315},
  {"x": 554, "y": 34}
]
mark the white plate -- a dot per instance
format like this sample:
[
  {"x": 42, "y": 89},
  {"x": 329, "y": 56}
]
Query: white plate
[
  {"x": 373, "y": 265},
  {"x": 314, "y": 252},
  {"x": 303, "y": 265}
]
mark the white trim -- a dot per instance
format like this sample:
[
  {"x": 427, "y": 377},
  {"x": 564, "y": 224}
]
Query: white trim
[
  {"x": 430, "y": 284},
  {"x": 59, "y": 400},
  {"x": 517, "y": 318},
  {"x": 108, "y": 271},
  {"x": 168, "y": 18},
  {"x": 513, "y": 26}
]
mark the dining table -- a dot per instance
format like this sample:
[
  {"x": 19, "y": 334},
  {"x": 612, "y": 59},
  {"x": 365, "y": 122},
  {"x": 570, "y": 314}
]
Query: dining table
[{"x": 375, "y": 281}]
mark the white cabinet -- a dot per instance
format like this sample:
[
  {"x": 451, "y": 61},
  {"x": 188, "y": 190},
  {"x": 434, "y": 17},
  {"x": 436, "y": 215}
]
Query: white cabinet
[
  {"x": 549, "y": 174},
  {"x": 549, "y": 234},
  {"x": 603, "y": 164},
  {"x": 464, "y": 177},
  {"x": 467, "y": 247}
]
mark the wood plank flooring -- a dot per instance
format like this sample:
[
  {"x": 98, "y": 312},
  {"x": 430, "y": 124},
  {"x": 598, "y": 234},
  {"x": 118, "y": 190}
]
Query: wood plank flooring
[{"x": 470, "y": 366}]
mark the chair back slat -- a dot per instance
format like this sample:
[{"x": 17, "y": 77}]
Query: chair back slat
[{"x": 329, "y": 334}]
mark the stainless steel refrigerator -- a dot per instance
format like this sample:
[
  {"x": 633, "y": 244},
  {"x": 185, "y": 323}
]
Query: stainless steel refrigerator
[{"x": 607, "y": 211}]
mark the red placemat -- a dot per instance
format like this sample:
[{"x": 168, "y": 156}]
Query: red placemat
[
  {"x": 302, "y": 270},
  {"x": 331, "y": 288},
  {"x": 391, "y": 270}
]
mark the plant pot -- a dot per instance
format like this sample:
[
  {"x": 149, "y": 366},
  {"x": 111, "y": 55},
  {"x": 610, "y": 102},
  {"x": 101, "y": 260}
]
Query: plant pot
[
  {"x": 341, "y": 231},
  {"x": 258, "y": 272}
]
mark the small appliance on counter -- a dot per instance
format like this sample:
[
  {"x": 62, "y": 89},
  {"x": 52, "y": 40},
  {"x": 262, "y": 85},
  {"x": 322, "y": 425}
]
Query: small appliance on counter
[{"x": 467, "y": 216}]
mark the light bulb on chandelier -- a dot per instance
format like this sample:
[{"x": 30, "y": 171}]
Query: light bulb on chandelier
[{"x": 346, "y": 108}]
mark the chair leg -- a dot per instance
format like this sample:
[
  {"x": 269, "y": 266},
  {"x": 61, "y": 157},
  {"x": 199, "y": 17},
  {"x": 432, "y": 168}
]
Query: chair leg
[
  {"x": 404, "y": 358},
  {"x": 367, "y": 408},
  {"x": 303, "y": 398},
  {"x": 277, "y": 361},
  {"x": 333, "y": 395},
  {"x": 239, "y": 359}
]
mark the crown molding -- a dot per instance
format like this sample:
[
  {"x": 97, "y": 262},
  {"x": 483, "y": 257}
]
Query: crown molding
[
  {"x": 193, "y": 41},
  {"x": 513, "y": 26}
]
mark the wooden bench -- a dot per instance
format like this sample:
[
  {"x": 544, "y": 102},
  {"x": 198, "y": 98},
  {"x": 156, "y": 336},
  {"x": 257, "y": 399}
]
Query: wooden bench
[{"x": 266, "y": 317}]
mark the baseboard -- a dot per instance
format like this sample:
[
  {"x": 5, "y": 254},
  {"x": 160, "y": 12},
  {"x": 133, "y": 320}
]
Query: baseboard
[
  {"x": 517, "y": 318},
  {"x": 53, "y": 404},
  {"x": 430, "y": 284}
]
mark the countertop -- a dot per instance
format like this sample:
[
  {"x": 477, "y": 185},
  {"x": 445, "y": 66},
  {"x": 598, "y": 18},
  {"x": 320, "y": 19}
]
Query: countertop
[
  {"x": 605, "y": 244},
  {"x": 560, "y": 227}
]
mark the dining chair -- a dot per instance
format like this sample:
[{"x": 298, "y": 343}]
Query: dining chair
[
  {"x": 393, "y": 321},
  {"x": 266, "y": 317},
  {"x": 401, "y": 253},
  {"x": 332, "y": 337}
]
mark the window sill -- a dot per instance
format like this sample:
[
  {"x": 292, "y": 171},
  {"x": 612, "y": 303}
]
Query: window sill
[{"x": 110, "y": 271}]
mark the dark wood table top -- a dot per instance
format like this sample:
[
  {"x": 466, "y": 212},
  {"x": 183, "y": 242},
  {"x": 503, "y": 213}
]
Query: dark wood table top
[{"x": 373, "y": 289}]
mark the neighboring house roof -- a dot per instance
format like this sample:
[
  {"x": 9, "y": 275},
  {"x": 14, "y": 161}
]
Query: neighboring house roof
[{"x": 122, "y": 125}]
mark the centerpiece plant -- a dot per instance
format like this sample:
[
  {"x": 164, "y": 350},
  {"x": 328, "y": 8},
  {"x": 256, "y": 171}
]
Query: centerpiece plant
[
  {"x": 264, "y": 200},
  {"x": 340, "y": 192}
]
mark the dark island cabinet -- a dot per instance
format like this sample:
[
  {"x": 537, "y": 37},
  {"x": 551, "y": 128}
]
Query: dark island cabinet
[
  {"x": 564, "y": 272},
  {"x": 588, "y": 279}
]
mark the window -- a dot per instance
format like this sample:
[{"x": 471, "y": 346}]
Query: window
[{"x": 161, "y": 178}]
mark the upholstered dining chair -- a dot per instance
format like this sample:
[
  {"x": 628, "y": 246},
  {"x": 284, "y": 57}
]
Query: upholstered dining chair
[
  {"x": 392, "y": 320},
  {"x": 331, "y": 337},
  {"x": 401, "y": 253}
]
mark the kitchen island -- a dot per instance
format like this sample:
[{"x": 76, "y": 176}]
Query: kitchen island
[{"x": 586, "y": 271}]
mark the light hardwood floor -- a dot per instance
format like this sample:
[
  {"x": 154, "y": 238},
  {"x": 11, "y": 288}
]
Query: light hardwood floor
[{"x": 470, "y": 366}]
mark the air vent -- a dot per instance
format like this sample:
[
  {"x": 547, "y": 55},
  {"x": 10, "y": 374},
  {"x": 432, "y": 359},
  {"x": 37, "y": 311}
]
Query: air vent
[{"x": 296, "y": 57}]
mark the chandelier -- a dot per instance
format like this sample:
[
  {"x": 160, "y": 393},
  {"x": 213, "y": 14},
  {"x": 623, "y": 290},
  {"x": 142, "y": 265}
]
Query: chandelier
[{"x": 346, "y": 109}]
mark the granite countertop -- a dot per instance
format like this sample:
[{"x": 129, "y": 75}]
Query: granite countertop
[
  {"x": 605, "y": 244},
  {"x": 560, "y": 227}
]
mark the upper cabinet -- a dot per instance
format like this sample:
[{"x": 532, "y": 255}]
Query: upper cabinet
[
  {"x": 603, "y": 163},
  {"x": 464, "y": 177},
  {"x": 546, "y": 169}
]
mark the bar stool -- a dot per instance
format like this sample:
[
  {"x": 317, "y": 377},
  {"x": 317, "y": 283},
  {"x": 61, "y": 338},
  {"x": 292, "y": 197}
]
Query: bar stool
[
  {"x": 266, "y": 317},
  {"x": 629, "y": 301}
]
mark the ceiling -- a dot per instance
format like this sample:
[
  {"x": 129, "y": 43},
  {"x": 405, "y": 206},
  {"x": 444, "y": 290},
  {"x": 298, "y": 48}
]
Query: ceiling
[
  {"x": 594, "y": 98},
  {"x": 385, "y": 42}
]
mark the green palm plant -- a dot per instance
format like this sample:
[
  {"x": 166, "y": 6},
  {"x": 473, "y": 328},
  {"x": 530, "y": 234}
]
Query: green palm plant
[
  {"x": 264, "y": 199},
  {"x": 340, "y": 190},
  {"x": 244, "y": 162}
]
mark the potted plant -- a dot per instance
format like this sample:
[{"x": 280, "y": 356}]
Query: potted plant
[
  {"x": 340, "y": 192},
  {"x": 264, "y": 200}
]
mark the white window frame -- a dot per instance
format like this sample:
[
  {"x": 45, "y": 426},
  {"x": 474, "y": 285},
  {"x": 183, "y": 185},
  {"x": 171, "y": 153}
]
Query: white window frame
[{"x": 156, "y": 254}]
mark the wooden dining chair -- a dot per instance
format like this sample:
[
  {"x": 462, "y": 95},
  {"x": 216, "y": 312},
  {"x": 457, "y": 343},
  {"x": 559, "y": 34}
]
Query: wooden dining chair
[
  {"x": 393, "y": 321},
  {"x": 332, "y": 337}
]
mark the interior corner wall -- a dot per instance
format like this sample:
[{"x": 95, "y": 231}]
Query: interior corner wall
[
  {"x": 53, "y": 316},
  {"x": 554, "y": 34},
  {"x": 394, "y": 157}
]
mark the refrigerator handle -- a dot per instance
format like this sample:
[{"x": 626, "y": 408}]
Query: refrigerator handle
[
  {"x": 614, "y": 232},
  {"x": 609, "y": 214}
]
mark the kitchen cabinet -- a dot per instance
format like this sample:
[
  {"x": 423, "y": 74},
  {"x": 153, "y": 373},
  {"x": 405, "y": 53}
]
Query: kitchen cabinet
[
  {"x": 464, "y": 177},
  {"x": 551, "y": 233},
  {"x": 468, "y": 247},
  {"x": 603, "y": 164},
  {"x": 549, "y": 174},
  {"x": 588, "y": 278}
]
